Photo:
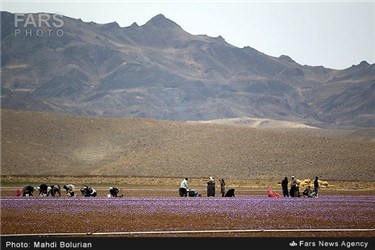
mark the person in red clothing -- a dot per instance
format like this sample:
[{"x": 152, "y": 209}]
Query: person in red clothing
[
  {"x": 272, "y": 194},
  {"x": 18, "y": 192}
]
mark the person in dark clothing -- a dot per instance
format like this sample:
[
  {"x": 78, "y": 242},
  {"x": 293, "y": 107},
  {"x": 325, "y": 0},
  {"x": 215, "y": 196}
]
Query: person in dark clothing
[
  {"x": 307, "y": 192},
  {"x": 211, "y": 188},
  {"x": 293, "y": 187},
  {"x": 222, "y": 187},
  {"x": 28, "y": 190},
  {"x": 69, "y": 188},
  {"x": 230, "y": 193},
  {"x": 88, "y": 191},
  {"x": 54, "y": 190},
  {"x": 92, "y": 192},
  {"x": 194, "y": 193},
  {"x": 284, "y": 187},
  {"x": 43, "y": 189},
  {"x": 113, "y": 191},
  {"x": 85, "y": 191},
  {"x": 316, "y": 187}
]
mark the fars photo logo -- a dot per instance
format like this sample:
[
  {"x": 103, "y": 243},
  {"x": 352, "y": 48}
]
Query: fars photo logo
[{"x": 38, "y": 25}]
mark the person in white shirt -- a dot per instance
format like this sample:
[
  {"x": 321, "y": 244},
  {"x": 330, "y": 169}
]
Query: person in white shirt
[{"x": 184, "y": 186}]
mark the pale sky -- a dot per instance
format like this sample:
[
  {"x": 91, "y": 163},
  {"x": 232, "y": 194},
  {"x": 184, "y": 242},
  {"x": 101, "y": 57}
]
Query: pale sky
[{"x": 333, "y": 34}]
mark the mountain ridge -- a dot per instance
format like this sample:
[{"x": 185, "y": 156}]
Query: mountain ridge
[{"x": 158, "y": 70}]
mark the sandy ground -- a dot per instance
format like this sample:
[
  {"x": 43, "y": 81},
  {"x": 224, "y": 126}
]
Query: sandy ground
[{"x": 54, "y": 145}]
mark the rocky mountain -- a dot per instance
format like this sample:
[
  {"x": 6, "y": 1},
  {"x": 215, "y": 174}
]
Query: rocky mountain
[{"x": 158, "y": 70}]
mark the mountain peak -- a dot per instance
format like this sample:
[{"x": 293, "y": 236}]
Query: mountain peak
[
  {"x": 161, "y": 21},
  {"x": 286, "y": 59},
  {"x": 361, "y": 65},
  {"x": 134, "y": 25},
  {"x": 364, "y": 63}
]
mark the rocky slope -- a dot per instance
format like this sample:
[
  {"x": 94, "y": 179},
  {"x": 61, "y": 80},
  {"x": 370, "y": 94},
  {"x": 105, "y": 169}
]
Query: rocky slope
[{"x": 158, "y": 70}]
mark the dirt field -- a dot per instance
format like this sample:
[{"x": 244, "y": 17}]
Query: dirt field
[
  {"x": 156, "y": 210},
  {"x": 49, "y": 144}
]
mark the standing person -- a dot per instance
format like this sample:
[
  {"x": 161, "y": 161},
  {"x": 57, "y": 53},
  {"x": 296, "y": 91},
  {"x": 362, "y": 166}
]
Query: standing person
[
  {"x": 293, "y": 187},
  {"x": 222, "y": 187},
  {"x": 211, "y": 187},
  {"x": 184, "y": 185},
  {"x": 316, "y": 186},
  {"x": 284, "y": 187}
]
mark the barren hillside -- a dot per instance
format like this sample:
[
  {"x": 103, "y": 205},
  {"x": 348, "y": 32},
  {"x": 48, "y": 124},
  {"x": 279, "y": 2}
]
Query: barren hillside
[{"x": 49, "y": 144}]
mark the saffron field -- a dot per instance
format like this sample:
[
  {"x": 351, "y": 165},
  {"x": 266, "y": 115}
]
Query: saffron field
[{"x": 250, "y": 215}]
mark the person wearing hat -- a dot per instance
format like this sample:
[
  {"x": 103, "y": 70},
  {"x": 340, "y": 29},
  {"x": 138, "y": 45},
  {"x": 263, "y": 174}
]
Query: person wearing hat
[
  {"x": 211, "y": 187},
  {"x": 184, "y": 185}
]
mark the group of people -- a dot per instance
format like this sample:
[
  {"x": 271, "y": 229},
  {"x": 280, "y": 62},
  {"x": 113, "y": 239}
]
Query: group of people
[
  {"x": 294, "y": 191},
  {"x": 43, "y": 189},
  {"x": 294, "y": 188},
  {"x": 70, "y": 189},
  {"x": 184, "y": 190}
]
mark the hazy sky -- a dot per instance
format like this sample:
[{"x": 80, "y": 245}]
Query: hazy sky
[{"x": 334, "y": 34}]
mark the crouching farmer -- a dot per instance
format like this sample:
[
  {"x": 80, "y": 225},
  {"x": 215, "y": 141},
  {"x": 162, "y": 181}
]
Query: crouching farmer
[
  {"x": 69, "y": 188},
  {"x": 194, "y": 193},
  {"x": 88, "y": 191},
  {"x": 43, "y": 189},
  {"x": 28, "y": 190},
  {"x": 230, "y": 193},
  {"x": 54, "y": 190},
  {"x": 114, "y": 192}
]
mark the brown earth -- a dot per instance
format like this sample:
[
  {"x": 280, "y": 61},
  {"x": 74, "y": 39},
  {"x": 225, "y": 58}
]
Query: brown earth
[
  {"x": 45, "y": 144},
  {"x": 66, "y": 216},
  {"x": 127, "y": 220},
  {"x": 148, "y": 158}
]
